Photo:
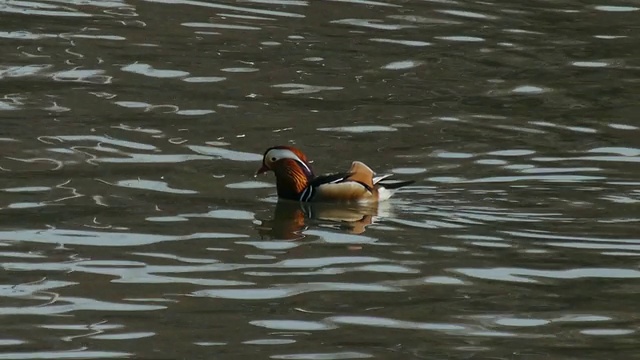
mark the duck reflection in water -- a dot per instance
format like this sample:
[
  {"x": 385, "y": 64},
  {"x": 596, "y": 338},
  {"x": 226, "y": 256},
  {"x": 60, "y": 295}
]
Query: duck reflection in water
[{"x": 290, "y": 219}]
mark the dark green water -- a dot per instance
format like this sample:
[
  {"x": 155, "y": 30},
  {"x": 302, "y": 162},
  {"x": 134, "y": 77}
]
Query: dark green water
[{"x": 131, "y": 225}]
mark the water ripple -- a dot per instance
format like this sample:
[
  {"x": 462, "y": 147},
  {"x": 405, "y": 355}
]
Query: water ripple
[
  {"x": 229, "y": 7},
  {"x": 148, "y": 70},
  {"x": 525, "y": 275},
  {"x": 101, "y": 238},
  {"x": 79, "y": 353},
  {"x": 285, "y": 291},
  {"x": 372, "y": 24}
]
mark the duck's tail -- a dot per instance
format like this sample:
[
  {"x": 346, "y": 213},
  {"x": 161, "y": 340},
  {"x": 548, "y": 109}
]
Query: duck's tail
[{"x": 394, "y": 184}]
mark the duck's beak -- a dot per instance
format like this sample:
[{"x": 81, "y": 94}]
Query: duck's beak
[{"x": 263, "y": 169}]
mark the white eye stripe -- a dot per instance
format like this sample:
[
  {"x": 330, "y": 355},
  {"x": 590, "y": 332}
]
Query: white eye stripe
[
  {"x": 306, "y": 167},
  {"x": 282, "y": 154},
  {"x": 285, "y": 154}
]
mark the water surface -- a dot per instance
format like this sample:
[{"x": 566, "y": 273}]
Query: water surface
[{"x": 131, "y": 225}]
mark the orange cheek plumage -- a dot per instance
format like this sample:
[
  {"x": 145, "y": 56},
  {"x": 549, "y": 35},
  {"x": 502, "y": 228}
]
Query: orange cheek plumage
[{"x": 291, "y": 179}]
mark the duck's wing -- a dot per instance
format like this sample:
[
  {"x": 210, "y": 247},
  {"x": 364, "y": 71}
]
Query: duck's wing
[
  {"x": 359, "y": 172},
  {"x": 310, "y": 193},
  {"x": 355, "y": 185},
  {"x": 329, "y": 179}
]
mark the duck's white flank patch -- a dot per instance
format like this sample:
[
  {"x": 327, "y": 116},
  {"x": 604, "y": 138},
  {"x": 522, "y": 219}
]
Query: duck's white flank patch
[{"x": 384, "y": 193}]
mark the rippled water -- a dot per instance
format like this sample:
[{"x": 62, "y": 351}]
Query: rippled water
[{"x": 131, "y": 225}]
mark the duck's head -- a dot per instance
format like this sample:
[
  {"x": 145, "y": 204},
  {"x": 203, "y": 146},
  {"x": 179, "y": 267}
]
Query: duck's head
[{"x": 281, "y": 157}]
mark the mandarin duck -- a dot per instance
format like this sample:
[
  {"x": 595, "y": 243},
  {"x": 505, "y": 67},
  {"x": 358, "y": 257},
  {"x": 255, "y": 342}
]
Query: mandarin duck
[{"x": 295, "y": 179}]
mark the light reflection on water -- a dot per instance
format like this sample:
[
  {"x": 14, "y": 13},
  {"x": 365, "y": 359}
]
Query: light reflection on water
[{"x": 132, "y": 225}]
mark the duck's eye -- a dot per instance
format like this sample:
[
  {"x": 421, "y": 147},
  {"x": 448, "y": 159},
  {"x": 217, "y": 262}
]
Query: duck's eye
[{"x": 273, "y": 158}]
